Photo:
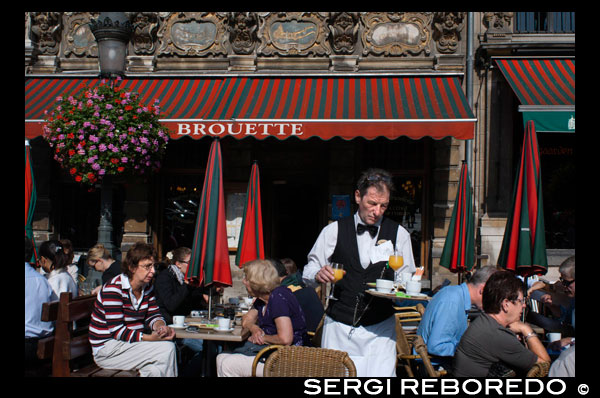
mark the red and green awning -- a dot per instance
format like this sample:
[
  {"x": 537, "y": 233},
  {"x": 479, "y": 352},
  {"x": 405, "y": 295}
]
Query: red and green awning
[
  {"x": 304, "y": 107},
  {"x": 546, "y": 89}
]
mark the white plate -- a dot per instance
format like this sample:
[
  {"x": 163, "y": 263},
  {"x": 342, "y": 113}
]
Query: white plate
[
  {"x": 185, "y": 325},
  {"x": 223, "y": 330},
  {"x": 417, "y": 295}
]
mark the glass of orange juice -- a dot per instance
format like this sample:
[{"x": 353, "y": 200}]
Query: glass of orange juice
[
  {"x": 338, "y": 273},
  {"x": 396, "y": 261}
]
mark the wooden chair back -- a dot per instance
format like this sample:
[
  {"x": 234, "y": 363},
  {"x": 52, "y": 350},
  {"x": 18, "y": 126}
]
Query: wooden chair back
[{"x": 71, "y": 339}]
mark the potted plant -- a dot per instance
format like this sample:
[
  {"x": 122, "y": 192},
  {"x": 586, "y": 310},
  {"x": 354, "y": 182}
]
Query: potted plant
[{"x": 105, "y": 130}]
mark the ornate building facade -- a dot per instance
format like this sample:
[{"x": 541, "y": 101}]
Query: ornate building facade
[{"x": 301, "y": 176}]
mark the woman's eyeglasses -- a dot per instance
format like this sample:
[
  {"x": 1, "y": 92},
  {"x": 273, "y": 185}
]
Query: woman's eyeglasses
[{"x": 148, "y": 267}]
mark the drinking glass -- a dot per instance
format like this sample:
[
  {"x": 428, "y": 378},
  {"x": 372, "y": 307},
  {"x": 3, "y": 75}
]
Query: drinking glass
[
  {"x": 338, "y": 273},
  {"x": 396, "y": 261}
]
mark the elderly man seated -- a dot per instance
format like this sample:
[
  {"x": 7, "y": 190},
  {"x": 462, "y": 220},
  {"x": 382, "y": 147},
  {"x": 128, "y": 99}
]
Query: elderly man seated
[{"x": 445, "y": 318}]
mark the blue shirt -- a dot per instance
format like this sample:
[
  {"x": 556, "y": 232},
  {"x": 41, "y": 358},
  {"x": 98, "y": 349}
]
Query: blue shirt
[
  {"x": 37, "y": 292},
  {"x": 445, "y": 320}
]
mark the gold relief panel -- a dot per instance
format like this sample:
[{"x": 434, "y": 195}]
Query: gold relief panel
[
  {"x": 293, "y": 33},
  {"x": 396, "y": 33},
  {"x": 78, "y": 38},
  {"x": 192, "y": 34}
]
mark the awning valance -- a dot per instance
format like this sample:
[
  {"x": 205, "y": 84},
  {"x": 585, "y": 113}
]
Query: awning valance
[
  {"x": 304, "y": 107},
  {"x": 546, "y": 89}
]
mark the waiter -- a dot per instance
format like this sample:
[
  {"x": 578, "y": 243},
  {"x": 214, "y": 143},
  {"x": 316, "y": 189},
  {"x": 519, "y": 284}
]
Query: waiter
[{"x": 359, "y": 323}]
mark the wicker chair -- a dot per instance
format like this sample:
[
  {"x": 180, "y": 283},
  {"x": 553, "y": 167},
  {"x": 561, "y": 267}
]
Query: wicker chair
[
  {"x": 404, "y": 351},
  {"x": 539, "y": 369},
  {"x": 299, "y": 361}
]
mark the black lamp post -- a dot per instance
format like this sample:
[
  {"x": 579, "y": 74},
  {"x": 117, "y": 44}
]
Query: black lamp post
[{"x": 112, "y": 31}]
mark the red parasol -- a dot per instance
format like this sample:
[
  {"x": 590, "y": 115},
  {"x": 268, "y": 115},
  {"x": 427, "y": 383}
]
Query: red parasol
[{"x": 251, "y": 245}]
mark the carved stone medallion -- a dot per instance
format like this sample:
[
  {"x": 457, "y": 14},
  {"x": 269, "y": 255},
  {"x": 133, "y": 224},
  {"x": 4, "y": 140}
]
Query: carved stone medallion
[
  {"x": 192, "y": 34},
  {"x": 78, "y": 38},
  {"x": 294, "y": 33},
  {"x": 397, "y": 33}
]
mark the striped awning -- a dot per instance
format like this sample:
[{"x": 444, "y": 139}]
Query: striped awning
[
  {"x": 546, "y": 89},
  {"x": 304, "y": 107}
]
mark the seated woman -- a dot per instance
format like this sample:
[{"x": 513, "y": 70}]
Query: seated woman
[
  {"x": 275, "y": 318},
  {"x": 127, "y": 330},
  {"x": 515, "y": 345},
  {"x": 54, "y": 261},
  {"x": 100, "y": 259}
]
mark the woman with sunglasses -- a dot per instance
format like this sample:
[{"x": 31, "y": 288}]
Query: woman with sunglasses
[{"x": 559, "y": 300}]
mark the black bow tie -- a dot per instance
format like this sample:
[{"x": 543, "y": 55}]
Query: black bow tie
[{"x": 361, "y": 228}]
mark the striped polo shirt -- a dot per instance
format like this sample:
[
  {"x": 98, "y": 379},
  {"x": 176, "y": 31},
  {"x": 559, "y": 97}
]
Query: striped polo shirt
[{"x": 119, "y": 315}]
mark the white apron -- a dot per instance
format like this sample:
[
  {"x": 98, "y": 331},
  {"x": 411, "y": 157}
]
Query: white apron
[{"x": 371, "y": 348}]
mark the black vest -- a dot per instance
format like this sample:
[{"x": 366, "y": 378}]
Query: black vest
[{"x": 350, "y": 291}]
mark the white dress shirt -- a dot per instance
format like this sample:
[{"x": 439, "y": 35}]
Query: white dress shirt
[{"x": 324, "y": 247}]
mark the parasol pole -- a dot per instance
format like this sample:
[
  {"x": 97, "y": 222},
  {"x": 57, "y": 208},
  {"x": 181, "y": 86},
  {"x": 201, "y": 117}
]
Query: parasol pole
[{"x": 210, "y": 303}]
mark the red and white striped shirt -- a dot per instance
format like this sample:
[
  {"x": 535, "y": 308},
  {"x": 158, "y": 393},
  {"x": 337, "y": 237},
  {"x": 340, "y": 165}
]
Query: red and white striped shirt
[{"x": 118, "y": 315}]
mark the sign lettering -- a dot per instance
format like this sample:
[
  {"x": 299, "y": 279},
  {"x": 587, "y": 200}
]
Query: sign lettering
[{"x": 240, "y": 128}]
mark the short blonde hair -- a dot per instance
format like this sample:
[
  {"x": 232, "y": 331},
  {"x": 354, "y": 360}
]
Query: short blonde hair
[
  {"x": 98, "y": 252},
  {"x": 261, "y": 275}
]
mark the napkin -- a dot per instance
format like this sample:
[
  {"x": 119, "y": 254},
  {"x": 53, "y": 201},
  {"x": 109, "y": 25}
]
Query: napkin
[{"x": 381, "y": 252}]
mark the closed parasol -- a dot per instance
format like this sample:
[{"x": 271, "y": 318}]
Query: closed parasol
[
  {"x": 458, "y": 254},
  {"x": 524, "y": 245},
  {"x": 251, "y": 245},
  {"x": 209, "y": 261}
]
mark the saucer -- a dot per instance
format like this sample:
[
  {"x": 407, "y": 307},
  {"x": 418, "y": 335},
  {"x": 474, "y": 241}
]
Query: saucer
[
  {"x": 377, "y": 291},
  {"x": 416, "y": 294},
  {"x": 223, "y": 330},
  {"x": 185, "y": 325}
]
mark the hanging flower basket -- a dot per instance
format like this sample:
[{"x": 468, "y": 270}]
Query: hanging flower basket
[{"x": 105, "y": 130}]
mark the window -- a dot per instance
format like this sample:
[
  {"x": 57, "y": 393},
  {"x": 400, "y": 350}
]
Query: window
[{"x": 544, "y": 22}]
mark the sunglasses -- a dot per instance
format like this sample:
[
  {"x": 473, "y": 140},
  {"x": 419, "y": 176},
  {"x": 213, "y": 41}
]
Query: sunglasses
[{"x": 566, "y": 283}]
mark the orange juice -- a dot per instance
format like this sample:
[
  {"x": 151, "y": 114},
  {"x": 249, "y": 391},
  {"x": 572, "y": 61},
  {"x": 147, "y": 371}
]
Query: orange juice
[
  {"x": 396, "y": 262},
  {"x": 338, "y": 274}
]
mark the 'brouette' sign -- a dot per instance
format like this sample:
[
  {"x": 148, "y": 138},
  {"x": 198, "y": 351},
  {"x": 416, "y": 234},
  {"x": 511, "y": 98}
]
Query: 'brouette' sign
[{"x": 239, "y": 129}]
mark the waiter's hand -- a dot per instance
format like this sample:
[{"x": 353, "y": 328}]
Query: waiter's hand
[{"x": 325, "y": 275}]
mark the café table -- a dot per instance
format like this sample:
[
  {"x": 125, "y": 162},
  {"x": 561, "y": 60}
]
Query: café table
[{"x": 237, "y": 335}]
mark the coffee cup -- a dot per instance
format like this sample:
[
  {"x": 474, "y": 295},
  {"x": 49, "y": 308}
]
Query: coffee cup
[
  {"x": 248, "y": 301},
  {"x": 384, "y": 285},
  {"x": 405, "y": 277},
  {"x": 178, "y": 320},
  {"x": 553, "y": 337},
  {"x": 224, "y": 323},
  {"x": 195, "y": 314},
  {"x": 413, "y": 287}
]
